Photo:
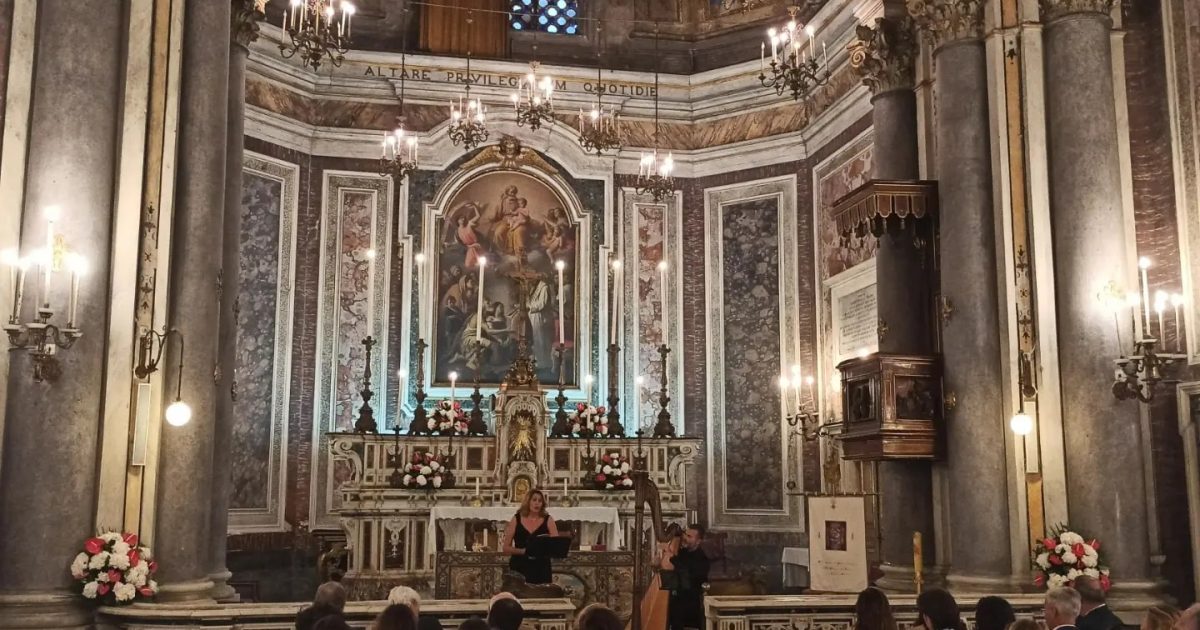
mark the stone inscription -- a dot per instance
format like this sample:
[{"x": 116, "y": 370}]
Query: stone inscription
[
  {"x": 488, "y": 79},
  {"x": 858, "y": 322}
]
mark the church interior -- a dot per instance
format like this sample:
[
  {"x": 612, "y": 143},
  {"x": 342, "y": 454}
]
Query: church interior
[{"x": 838, "y": 294}]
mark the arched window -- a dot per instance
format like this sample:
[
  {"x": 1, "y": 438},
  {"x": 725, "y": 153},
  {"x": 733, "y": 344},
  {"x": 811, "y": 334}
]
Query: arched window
[{"x": 548, "y": 16}]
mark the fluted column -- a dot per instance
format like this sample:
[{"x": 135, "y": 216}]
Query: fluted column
[
  {"x": 244, "y": 18},
  {"x": 971, "y": 359},
  {"x": 186, "y": 475},
  {"x": 1105, "y": 481},
  {"x": 48, "y": 480},
  {"x": 884, "y": 56}
]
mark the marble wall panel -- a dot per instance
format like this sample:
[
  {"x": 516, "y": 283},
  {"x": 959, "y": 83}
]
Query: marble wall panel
[{"x": 268, "y": 242}]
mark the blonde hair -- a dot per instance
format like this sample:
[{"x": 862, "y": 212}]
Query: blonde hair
[
  {"x": 1160, "y": 618},
  {"x": 525, "y": 511}
]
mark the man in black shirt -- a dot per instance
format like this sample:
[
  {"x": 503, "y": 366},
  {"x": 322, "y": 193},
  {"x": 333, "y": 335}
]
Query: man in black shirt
[{"x": 686, "y": 606}]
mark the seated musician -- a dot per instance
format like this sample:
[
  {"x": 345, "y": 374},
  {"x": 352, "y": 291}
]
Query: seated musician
[{"x": 530, "y": 520}]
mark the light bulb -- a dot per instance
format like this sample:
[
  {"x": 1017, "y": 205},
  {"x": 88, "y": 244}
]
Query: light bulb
[
  {"x": 795, "y": 370},
  {"x": 348, "y": 9},
  {"x": 560, "y": 265},
  {"x": 1144, "y": 262},
  {"x": 11, "y": 257},
  {"x": 483, "y": 261},
  {"x": 641, "y": 380},
  {"x": 810, "y": 30},
  {"x": 1021, "y": 424},
  {"x": 1176, "y": 299},
  {"x": 402, "y": 373},
  {"x": 784, "y": 382},
  {"x": 53, "y": 213},
  {"x": 616, "y": 264},
  {"x": 420, "y": 258},
  {"x": 77, "y": 264},
  {"x": 453, "y": 376},
  {"x": 589, "y": 378},
  {"x": 662, "y": 265},
  {"x": 863, "y": 353},
  {"x": 1133, "y": 299},
  {"x": 808, "y": 380},
  {"x": 178, "y": 414}
]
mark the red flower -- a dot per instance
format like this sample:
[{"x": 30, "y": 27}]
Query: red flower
[
  {"x": 1105, "y": 583},
  {"x": 1049, "y": 544},
  {"x": 153, "y": 566},
  {"x": 1095, "y": 544},
  {"x": 114, "y": 576},
  {"x": 130, "y": 539},
  {"x": 580, "y": 407},
  {"x": 1077, "y": 549},
  {"x": 145, "y": 590},
  {"x": 600, "y": 410},
  {"x": 93, "y": 546},
  {"x": 134, "y": 556},
  {"x": 606, "y": 459},
  {"x": 1055, "y": 560},
  {"x": 103, "y": 588},
  {"x": 416, "y": 458},
  {"x": 600, "y": 477},
  {"x": 1040, "y": 580}
]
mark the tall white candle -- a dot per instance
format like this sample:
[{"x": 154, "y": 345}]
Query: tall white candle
[
  {"x": 616, "y": 299},
  {"x": 637, "y": 398},
  {"x": 1176, "y": 302},
  {"x": 662, "y": 292},
  {"x": 564, "y": 488},
  {"x": 370, "y": 292},
  {"x": 562, "y": 313},
  {"x": 1160, "y": 305},
  {"x": 453, "y": 380},
  {"x": 401, "y": 377},
  {"x": 78, "y": 268},
  {"x": 477, "y": 487},
  {"x": 1144, "y": 264},
  {"x": 479, "y": 302},
  {"x": 784, "y": 384},
  {"x": 587, "y": 388}
]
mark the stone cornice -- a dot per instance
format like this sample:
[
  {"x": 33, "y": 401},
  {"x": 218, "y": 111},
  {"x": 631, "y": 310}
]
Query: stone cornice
[
  {"x": 885, "y": 55},
  {"x": 1054, "y": 9},
  {"x": 946, "y": 21},
  {"x": 243, "y": 21}
]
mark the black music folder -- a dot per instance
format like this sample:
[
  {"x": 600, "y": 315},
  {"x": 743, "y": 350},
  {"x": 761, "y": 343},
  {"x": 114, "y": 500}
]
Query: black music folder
[{"x": 548, "y": 546}]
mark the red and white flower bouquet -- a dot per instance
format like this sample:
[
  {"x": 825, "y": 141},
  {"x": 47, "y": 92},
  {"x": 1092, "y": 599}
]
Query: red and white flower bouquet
[
  {"x": 448, "y": 418},
  {"x": 612, "y": 473},
  {"x": 589, "y": 420},
  {"x": 1065, "y": 555},
  {"x": 114, "y": 569},
  {"x": 427, "y": 471}
]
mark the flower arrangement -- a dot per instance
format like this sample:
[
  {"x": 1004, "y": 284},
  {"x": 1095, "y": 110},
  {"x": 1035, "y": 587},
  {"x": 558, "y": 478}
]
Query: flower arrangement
[
  {"x": 113, "y": 569},
  {"x": 1065, "y": 555},
  {"x": 448, "y": 418},
  {"x": 589, "y": 419},
  {"x": 427, "y": 471},
  {"x": 612, "y": 473}
]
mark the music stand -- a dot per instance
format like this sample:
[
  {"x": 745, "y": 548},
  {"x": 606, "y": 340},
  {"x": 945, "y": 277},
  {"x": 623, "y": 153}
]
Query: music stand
[{"x": 548, "y": 546}]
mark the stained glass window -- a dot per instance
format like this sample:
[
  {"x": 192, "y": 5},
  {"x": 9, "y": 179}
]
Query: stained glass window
[{"x": 547, "y": 16}]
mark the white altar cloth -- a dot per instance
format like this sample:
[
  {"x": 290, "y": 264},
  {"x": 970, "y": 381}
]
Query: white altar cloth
[{"x": 450, "y": 520}]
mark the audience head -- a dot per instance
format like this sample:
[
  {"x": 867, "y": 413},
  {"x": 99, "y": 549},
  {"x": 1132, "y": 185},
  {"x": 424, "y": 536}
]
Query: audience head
[
  {"x": 396, "y": 617},
  {"x": 331, "y": 594},
  {"x": 534, "y": 503},
  {"x": 474, "y": 623},
  {"x": 331, "y": 622},
  {"x": 873, "y": 611},
  {"x": 407, "y": 596},
  {"x": 505, "y": 613},
  {"x": 1062, "y": 607},
  {"x": 598, "y": 617},
  {"x": 937, "y": 610},
  {"x": 993, "y": 613},
  {"x": 1160, "y": 618},
  {"x": 1189, "y": 619},
  {"x": 693, "y": 536},
  {"x": 1090, "y": 593},
  {"x": 1024, "y": 624}
]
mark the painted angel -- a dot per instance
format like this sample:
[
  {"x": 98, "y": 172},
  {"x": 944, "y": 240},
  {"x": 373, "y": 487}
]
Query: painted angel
[{"x": 461, "y": 224}]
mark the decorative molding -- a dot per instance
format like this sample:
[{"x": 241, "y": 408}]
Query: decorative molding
[
  {"x": 946, "y": 21},
  {"x": 885, "y": 55},
  {"x": 1055, "y": 9},
  {"x": 243, "y": 21}
]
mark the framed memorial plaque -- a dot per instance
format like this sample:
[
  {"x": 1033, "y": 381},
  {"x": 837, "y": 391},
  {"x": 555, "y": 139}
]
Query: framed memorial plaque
[
  {"x": 837, "y": 544},
  {"x": 853, "y": 312}
]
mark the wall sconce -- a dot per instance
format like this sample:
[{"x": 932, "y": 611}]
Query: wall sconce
[
  {"x": 1021, "y": 422},
  {"x": 150, "y": 351}
]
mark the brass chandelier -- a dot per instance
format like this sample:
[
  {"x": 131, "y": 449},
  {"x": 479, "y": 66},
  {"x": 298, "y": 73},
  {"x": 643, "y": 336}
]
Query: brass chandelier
[
  {"x": 399, "y": 146},
  {"x": 468, "y": 120},
  {"x": 600, "y": 129},
  {"x": 534, "y": 98},
  {"x": 317, "y": 29},
  {"x": 794, "y": 65},
  {"x": 654, "y": 172}
]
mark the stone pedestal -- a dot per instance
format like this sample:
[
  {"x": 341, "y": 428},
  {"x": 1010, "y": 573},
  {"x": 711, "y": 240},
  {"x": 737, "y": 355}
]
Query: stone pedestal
[
  {"x": 48, "y": 479},
  {"x": 1105, "y": 481},
  {"x": 186, "y": 475}
]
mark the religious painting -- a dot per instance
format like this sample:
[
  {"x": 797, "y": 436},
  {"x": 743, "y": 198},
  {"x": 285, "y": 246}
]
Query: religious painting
[{"x": 505, "y": 231}]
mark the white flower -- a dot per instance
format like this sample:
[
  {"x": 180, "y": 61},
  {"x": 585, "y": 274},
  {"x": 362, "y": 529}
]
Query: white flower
[
  {"x": 1089, "y": 550},
  {"x": 79, "y": 565},
  {"x": 1093, "y": 573},
  {"x": 124, "y": 592},
  {"x": 110, "y": 537},
  {"x": 1062, "y": 548},
  {"x": 598, "y": 468},
  {"x": 627, "y": 483},
  {"x": 1043, "y": 560},
  {"x": 153, "y": 586},
  {"x": 120, "y": 549},
  {"x": 408, "y": 480},
  {"x": 136, "y": 578},
  {"x": 89, "y": 589},
  {"x": 437, "y": 481},
  {"x": 1057, "y": 580},
  {"x": 98, "y": 561},
  {"x": 624, "y": 467},
  {"x": 1103, "y": 571},
  {"x": 607, "y": 469},
  {"x": 608, "y": 486},
  {"x": 1070, "y": 538},
  {"x": 118, "y": 561},
  {"x": 434, "y": 465},
  {"x": 1073, "y": 574},
  {"x": 102, "y": 577},
  {"x": 421, "y": 480},
  {"x": 426, "y": 470},
  {"x": 1089, "y": 561},
  {"x": 1069, "y": 558}
]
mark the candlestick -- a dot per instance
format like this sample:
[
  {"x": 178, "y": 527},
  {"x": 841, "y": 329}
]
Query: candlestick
[
  {"x": 918, "y": 561},
  {"x": 1144, "y": 264},
  {"x": 1176, "y": 302},
  {"x": 479, "y": 302},
  {"x": 616, "y": 299},
  {"x": 453, "y": 379},
  {"x": 562, "y": 313},
  {"x": 662, "y": 288}
]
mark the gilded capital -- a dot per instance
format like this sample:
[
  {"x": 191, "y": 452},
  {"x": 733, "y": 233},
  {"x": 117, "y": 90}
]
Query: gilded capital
[
  {"x": 243, "y": 20},
  {"x": 946, "y": 21},
  {"x": 1054, "y": 9},
  {"x": 885, "y": 55}
]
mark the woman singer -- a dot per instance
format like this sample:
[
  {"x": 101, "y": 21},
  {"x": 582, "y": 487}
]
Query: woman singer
[{"x": 531, "y": 520}]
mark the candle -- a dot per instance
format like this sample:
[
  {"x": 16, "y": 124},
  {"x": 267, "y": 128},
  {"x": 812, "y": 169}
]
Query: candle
[
  {"x": 78, "y": 268},
  {"x": 1160, "y": 305},
  {"x": 477, "y": 487},
  {"x": 16, "y": 270},
  {"x": 564, "y": 488},
  {"x": 485, "y": 537},
  {"x": 918, "y": 563},
  {"x": 562, "y": 313},
  {"x": 812, "y": 397},
  {"x": 616, "y": 300},
  {"x": 637, "y": 399},
  {"x": 1144, "y": 264},
  {"x": 662, "y": 288},
  {"x": 453, "y": 379},
  {"x": 1176, "y": 302},
  {"x": 762, "y": 57},
  {"x": 783, "y": 388},
  {"x": 587, "y": 388},
  {"x": 401, "y": 376},
  {"x": 479, "y": 302}
]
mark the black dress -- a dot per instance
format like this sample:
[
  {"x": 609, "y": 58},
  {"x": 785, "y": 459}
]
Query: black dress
[{"x": 535, "y": 570}]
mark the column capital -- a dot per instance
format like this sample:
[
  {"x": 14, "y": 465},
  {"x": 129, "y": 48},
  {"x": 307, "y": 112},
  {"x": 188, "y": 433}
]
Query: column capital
[
  {"x": 885, "y": 55},
  {"x": 1054, "y": 9},
  {"x": 244, "y": 18},
  {"x": 946, "y": 21}
]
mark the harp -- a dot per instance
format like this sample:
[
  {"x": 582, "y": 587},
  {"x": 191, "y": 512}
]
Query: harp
[{"x": 645, "y": 492}]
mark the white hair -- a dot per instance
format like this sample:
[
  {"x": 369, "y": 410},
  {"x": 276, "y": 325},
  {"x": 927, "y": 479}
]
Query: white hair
[
  {"x": 1065, "y": 602},
  {"x": 405, "y": 595}
]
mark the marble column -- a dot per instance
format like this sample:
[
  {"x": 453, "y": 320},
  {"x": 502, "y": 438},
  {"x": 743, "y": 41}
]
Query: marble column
[
  {"x": 884, "y": 55},
  {"x": 186, "y": 476},
  {"x": 975, "y": 427},
  {"x": 1106, "y": 489},
  {"x": 48, "y": 481}
]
